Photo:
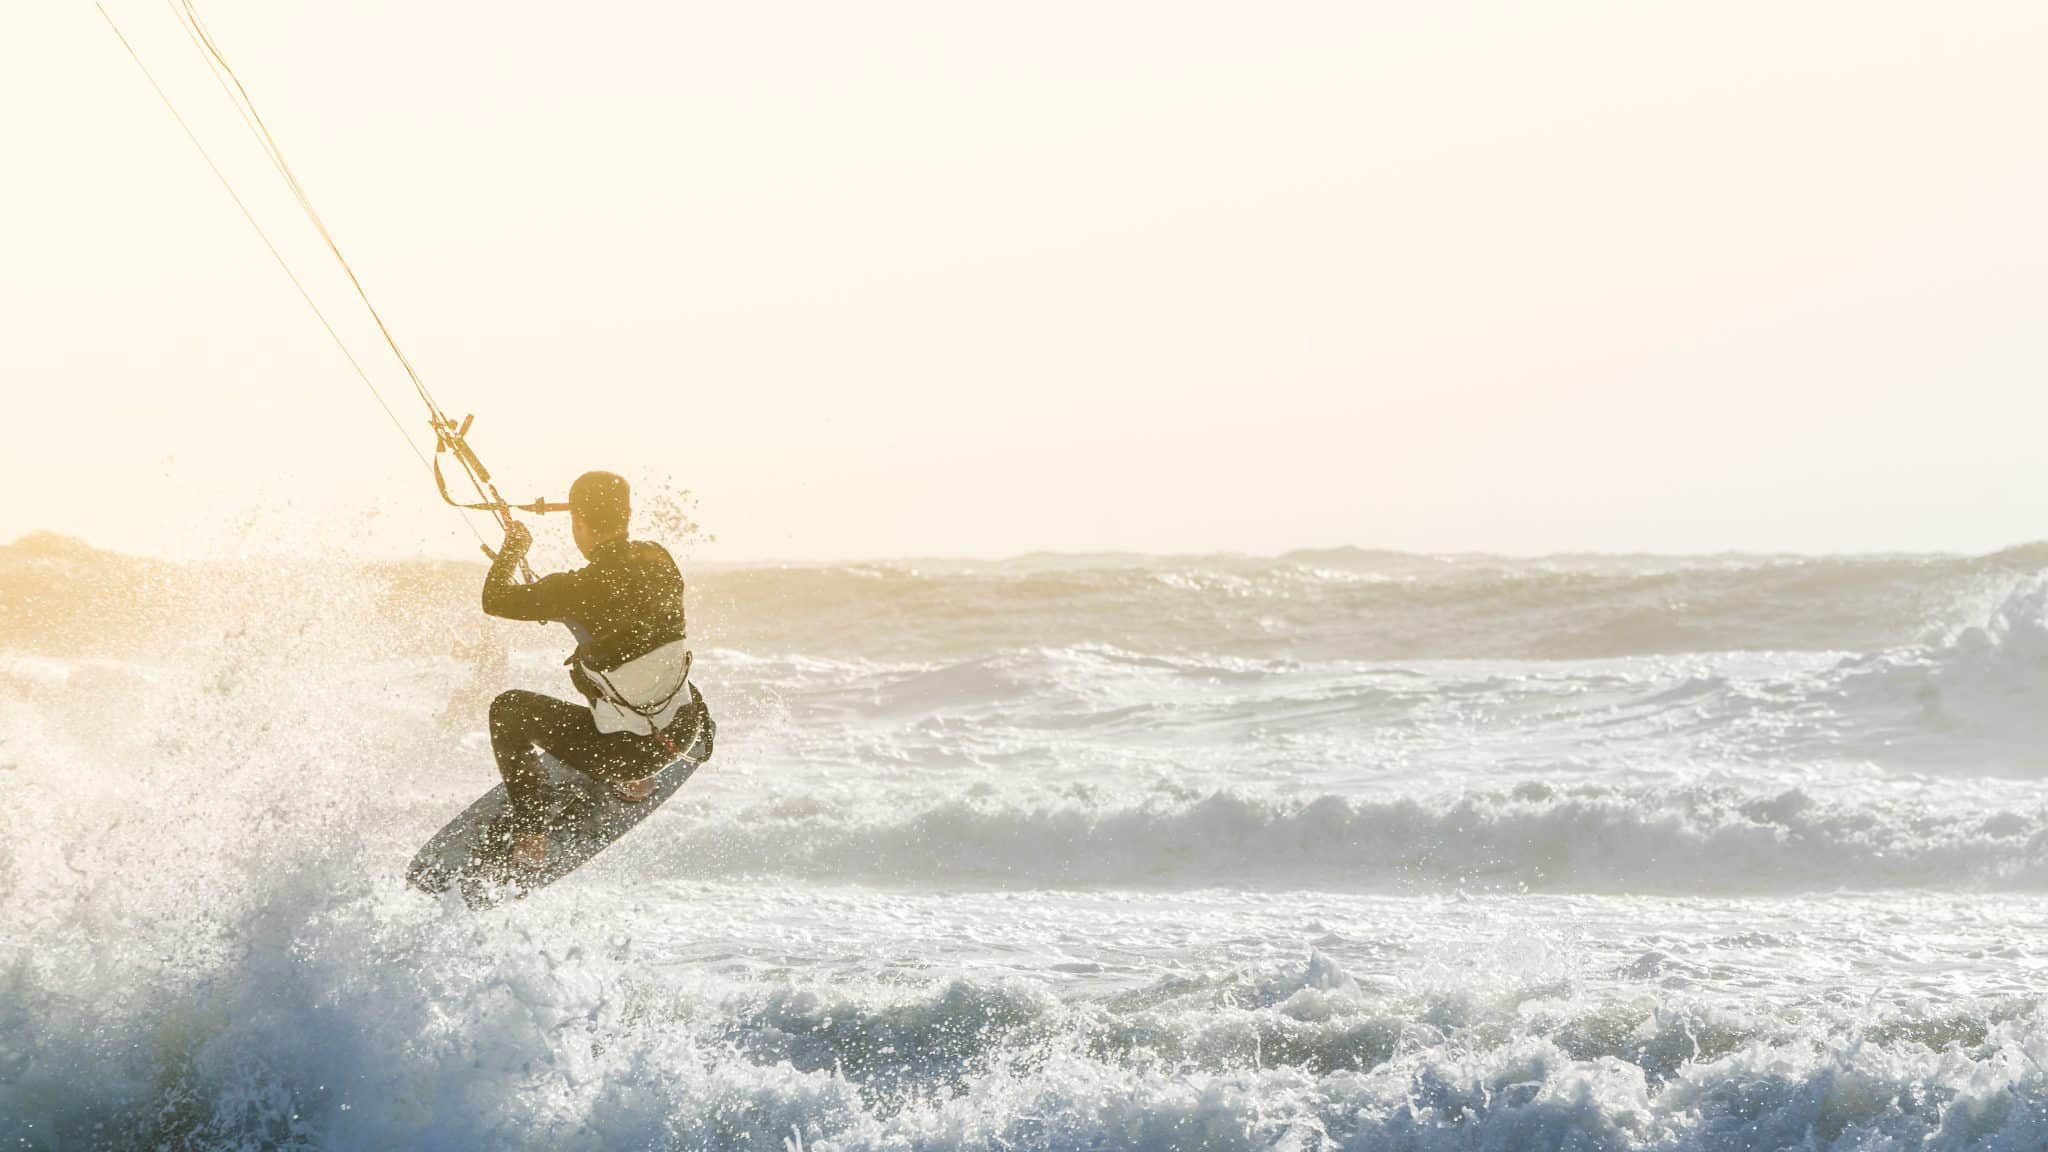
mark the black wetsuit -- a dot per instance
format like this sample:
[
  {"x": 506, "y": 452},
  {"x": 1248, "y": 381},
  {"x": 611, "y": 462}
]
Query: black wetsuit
[{"x": 630, "y": 589}]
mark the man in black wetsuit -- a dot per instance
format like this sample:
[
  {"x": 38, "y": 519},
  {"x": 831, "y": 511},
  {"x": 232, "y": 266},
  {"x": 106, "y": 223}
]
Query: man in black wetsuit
[{"x": 631, "y": 664}]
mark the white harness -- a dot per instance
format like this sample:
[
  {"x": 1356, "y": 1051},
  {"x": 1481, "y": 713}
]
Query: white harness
[{"x": 644, "y": 694}]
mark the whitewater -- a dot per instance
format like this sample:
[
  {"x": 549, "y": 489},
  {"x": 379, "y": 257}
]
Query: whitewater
[{"x": 1336, "y": 849}]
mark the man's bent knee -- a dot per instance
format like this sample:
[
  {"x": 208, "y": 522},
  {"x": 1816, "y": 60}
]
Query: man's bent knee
[{"x": 507, "y": 709}]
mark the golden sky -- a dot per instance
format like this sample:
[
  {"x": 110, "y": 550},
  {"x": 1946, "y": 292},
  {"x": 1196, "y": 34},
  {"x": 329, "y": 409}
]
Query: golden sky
[{"x": 959, "y": 278}]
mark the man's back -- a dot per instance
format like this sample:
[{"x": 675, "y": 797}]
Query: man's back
[{"x": 630, "y": 587}]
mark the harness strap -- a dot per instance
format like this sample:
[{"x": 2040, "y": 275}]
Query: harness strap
[{"x": 614, "y": 696}]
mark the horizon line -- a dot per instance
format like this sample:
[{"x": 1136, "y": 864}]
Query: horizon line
[{"x": 70, "y": 540}]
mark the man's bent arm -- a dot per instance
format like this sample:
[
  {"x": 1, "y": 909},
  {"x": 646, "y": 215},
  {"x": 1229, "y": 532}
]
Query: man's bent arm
[{"x": 507, "y": 599}]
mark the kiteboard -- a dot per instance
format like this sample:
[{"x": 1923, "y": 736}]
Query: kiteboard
[{"x": 474, "y": 851}]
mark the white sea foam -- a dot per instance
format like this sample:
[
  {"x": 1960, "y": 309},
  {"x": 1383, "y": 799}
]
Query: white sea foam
[{"x": 1340, "y": 850}]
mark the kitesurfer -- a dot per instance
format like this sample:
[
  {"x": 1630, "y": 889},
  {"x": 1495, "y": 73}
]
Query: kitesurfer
[{"x": 631, "y": 664}]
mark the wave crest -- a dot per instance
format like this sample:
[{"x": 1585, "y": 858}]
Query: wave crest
[{"x": 1586, "y": 838}]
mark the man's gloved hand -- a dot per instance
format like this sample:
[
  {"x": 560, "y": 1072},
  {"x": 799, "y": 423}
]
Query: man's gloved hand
[{"x": 518, "y": 538}]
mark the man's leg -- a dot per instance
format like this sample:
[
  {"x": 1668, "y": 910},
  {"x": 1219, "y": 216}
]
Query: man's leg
[
  {"x": 630, "y": 762},
  {"x": 523, "y": 722},
  {"x": 627, "y": 765}
]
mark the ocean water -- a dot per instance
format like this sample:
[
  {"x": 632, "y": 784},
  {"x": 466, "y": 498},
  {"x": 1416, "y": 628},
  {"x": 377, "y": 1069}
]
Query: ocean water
[{"x": 1330, "y": 850}]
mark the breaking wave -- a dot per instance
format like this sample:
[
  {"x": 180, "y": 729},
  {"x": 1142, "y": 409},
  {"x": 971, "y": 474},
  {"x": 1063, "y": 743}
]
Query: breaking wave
[
  {"x": 365, "y": 1030},
  {"x": 1333, "y": 850},
  {"x": 1535, "y": 837}
]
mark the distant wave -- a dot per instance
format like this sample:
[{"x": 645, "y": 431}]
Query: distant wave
[
  {"x": 1364, "y": 606},
  {"x": 1969, "y": 701},
  {"x": 1341, "y": 604}
]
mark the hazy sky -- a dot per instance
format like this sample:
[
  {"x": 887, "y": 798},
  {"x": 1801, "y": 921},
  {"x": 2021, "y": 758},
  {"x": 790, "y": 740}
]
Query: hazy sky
[{"x": 966, "y": 278}]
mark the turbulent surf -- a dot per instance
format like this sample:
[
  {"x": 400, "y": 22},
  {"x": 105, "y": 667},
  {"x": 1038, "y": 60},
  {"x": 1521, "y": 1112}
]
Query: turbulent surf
[{"x": 1334, "y": 849}]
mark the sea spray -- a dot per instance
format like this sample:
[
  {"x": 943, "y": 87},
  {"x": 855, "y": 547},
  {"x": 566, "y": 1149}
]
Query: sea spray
[{"x": 1332, "y": 850}]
